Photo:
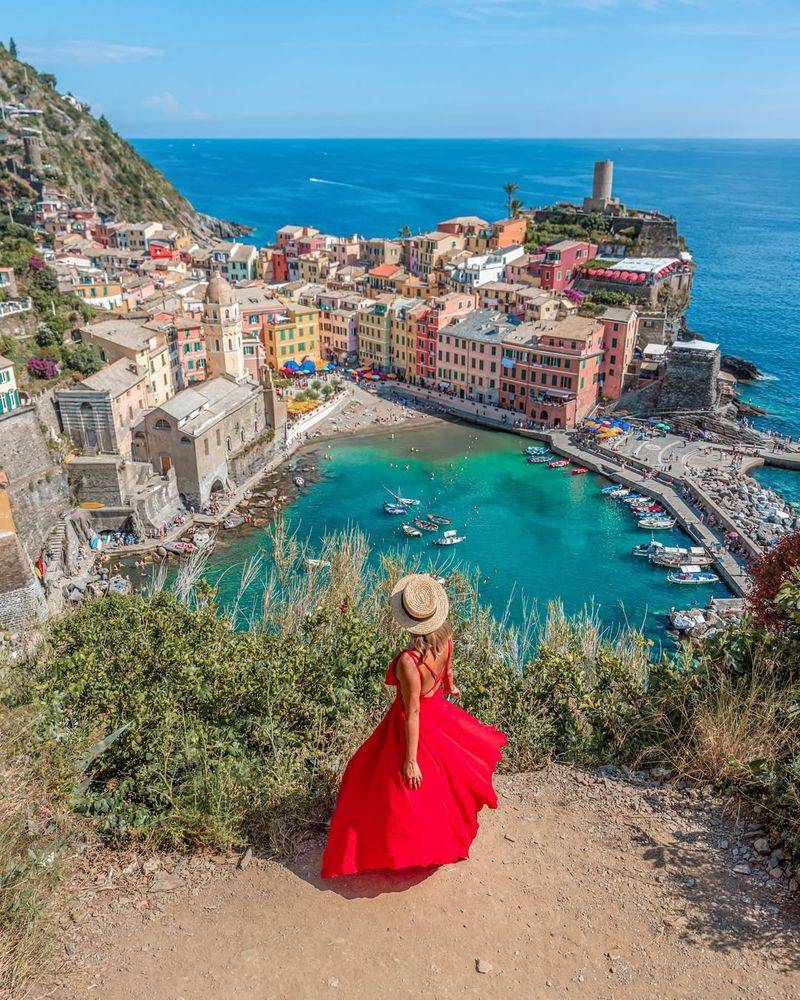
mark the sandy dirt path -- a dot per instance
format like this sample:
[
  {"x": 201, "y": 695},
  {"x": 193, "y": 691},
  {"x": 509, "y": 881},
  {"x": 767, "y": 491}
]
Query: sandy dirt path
[{"x": 579, "y": 885}]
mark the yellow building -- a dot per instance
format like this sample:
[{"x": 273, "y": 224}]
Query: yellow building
[
  {"x": 292, "y": 335},
  {"x": 404, "y": 338},
  {"x": 144, "y": 344}
]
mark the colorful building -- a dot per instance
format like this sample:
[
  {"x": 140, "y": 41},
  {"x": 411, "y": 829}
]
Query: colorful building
[
  {"x": 291, "y": 335},
  {"x": 561, "y": 260},
  {"x": 442, "y": 311},
  {"x": 426, "y": 250},
  {"x": 552, "y": 372},
  {"x": 620, "y": 331},
  {"x": 9, "y": 394},
  {"x": 191, "y": 346},
  {"x": 469, "y": 356}
]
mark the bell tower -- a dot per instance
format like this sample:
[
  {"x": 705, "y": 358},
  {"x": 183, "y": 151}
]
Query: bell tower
[{"x": 223, "y": 330}]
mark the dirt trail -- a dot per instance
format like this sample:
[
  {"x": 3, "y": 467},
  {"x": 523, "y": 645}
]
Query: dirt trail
[{"x": 579, "y": 885}]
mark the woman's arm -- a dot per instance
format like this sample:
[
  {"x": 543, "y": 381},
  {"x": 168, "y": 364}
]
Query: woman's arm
[
  {"x": 449, "y": 683},
  {"x": 410, "y": 686}
]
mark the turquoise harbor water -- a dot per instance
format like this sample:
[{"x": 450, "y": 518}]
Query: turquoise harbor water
[{"x": 537, "y": 533}]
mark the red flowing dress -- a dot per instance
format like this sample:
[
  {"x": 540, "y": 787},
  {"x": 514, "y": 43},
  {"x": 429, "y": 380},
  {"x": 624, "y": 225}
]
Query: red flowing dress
[{"x": 379, "y": 822}]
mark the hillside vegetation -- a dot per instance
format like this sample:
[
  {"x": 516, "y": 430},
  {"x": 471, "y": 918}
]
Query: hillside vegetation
[
  {"x": 149, "y": 718},
  {"x": 89, "y": 162}
]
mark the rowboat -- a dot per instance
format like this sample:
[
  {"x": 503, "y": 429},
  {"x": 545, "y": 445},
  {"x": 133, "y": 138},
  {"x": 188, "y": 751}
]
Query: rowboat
[
  {"x": 530, "y": 450},
  {"x": 439, "y": 519},
  {"x": 403, "y": 501},
  {"x": 558, "y": 463},
  {"x": 647, "y": 508},
  {"x": 633, "y": 498},
  {"x": 299, "y": 481},
  {"x": 394, "y": 508},
  {"x": 656, "y": 522},
  {"x": 426, "y": 525},
  {"x": 538, "y": 459},
  {"x": 410, "y": 530},
  {"x": 579, "y": 470},
  {"x": 614, "y": 490},
  {"x": 450, "y": 538},
  {"x": 653, "y": 548},
  {"x": 692, "y": 574}
]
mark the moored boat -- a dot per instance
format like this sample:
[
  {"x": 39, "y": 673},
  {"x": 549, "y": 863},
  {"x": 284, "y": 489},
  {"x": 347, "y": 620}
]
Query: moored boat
[
  {"x": 558, "y": 463},
  {"x": 613, "y": 489},
  {"x": 410, "y": 530},
  {"x": 697, "y": 556},
  {"x": 538, "y": 459},
  {"x": 426, "y": 525},
  {"x": 394, "y": 508},
  {"x": 299, "y": 481},
  {"x": 647, "y": 508},
  {"x": 579, "y": 470},
  {"x": 403, "y": 501},
  {"x": 656, "y": 522},
  {"x": 439, "y": 519},
  {"x": 450, "y": 538},
  {"x": 692, "y": 574},
  {"x": 530, "y": 450}
]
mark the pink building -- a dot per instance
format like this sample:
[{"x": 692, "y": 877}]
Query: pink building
[
  {"x": 337, "y": 334},
  {"x": 561, "y": 260},
  {"x": 191, "y": 344},
  {"x": 552, "y": 372},
  {"x": 620, "y": 329},
  {"x": 442, "y": 311},
  {"x": 463, "y": 225}
]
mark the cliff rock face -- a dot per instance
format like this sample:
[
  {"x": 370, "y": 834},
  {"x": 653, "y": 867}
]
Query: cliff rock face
[{"x": 82, "y": 158}]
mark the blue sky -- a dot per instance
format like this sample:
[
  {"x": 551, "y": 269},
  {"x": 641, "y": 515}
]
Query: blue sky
[{"x": 671, "y": 68}]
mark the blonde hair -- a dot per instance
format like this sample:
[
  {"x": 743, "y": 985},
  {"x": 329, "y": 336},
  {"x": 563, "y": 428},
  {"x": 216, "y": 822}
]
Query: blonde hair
[{"x": 434, "y": 642}]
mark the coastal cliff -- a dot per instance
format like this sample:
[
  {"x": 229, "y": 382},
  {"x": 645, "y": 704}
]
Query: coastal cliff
[{"x": 59, "y": 145}]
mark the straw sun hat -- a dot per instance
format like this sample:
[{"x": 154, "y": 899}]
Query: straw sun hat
[{"x": 419, "y": 603}]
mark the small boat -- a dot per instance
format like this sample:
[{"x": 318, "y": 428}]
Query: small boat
[
  {"x": 530, "y": 450},
  {"x": 647, "y": 508},
  {"x": 450, "y": 538},
  {"x": 233, "y": 521},
  {"x": 692, "y": 574},
  {"x": 558, "y": 463},
  {"x": 538, "y": 459},
  {"x": 299, "y": 481},
  {"x": 410, "y": 530},
  {"x": 394, "y": 508},
  {"x": 656, "y": 522},
  {"x": 439, "y": 519},
  {"x": 615, "y": 490},
  {"x": 403, "y": 501},
  {"x": 180, "y": 548},
  {"x": 633, "y": 498},
  {"x": 695, "y": 555},
  {"x": 579, "y": 470},
  {"x": 426, "y": 525}
]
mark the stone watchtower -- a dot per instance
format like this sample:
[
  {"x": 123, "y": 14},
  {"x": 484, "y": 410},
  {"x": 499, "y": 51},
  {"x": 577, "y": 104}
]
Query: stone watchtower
[
  {"x": 223, "y": 330},
  {"x": 601, "y": 187},
  {"x": 32, "y": 149}
]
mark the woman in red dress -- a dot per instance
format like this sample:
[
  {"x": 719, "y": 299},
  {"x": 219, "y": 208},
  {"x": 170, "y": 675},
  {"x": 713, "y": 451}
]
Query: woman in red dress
[{"x": 411, "y": 794}]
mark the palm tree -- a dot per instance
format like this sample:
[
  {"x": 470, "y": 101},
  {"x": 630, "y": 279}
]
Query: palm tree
[
  {"x": 514, "y": 207},
  {"x": 510, "y": 189},
  {"x": 405, "y": 233}
]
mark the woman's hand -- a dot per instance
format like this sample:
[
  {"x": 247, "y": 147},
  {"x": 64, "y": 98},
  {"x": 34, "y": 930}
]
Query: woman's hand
[{"x": 412, "y": 774}]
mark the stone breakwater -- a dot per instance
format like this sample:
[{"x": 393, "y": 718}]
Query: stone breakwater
[{"x": 756, "y": 510}]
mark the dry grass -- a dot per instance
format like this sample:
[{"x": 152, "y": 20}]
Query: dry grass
[{"x": 734, "y": 732}]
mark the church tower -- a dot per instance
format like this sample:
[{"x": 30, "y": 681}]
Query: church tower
[{"x": 223, "y": 331}]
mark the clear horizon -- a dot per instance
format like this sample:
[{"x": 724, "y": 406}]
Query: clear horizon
[{"x": 439, "y": 69}]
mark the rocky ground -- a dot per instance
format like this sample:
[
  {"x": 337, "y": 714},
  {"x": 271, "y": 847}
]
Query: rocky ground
[
  {"x": 757, "y": 510},
  {"x": 582, "y": 884}
]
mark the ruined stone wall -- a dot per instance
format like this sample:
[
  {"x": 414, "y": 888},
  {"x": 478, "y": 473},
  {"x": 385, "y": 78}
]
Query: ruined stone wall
[
  {"x": 37, "y": 486},
  {"x": 690, "y": 382}
]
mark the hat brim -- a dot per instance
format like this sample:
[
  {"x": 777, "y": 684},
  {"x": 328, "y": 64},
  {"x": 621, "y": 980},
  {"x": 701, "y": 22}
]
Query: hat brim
[{"x": 414, "y": 625}]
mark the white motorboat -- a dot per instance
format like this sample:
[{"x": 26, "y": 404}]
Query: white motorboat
[
  {"x": 692, "y": 574},
  {"x": 658, "y": 522},
  {"x": 450, "y": 538}
]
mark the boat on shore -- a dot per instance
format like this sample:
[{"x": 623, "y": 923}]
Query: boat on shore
[
  {"x": 411, "y": 530},
  {"x": 450, "y": 538},
  {"x": 692, "y": 574},
  {"x": 656, "y": 522}
]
